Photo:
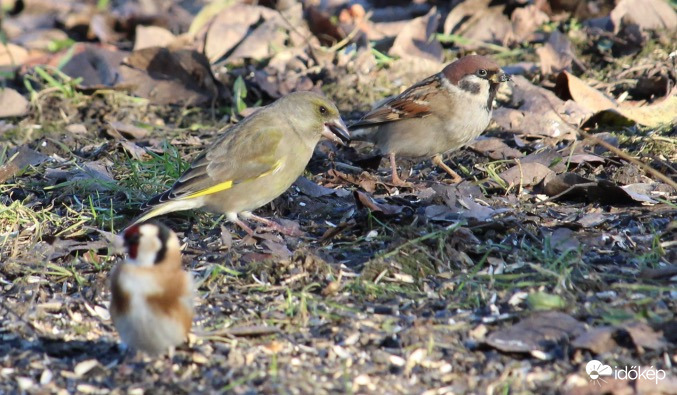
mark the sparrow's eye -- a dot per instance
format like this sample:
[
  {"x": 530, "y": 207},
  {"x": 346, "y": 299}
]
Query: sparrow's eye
[
  {"x": 323, "y": 110},
  {"x": 482, "y": 72}
]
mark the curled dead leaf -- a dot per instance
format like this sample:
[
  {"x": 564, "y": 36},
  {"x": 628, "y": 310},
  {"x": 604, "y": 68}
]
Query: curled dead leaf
[
  {"x": 417, "y": 39},
  {"x": 606, "y": 110}
]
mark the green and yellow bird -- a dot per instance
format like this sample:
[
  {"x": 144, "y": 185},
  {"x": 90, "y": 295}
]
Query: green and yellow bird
[{"x": 254, "y": 161}]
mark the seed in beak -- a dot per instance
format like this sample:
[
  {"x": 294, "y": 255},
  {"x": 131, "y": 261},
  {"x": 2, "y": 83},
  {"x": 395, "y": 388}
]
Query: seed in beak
[{"x": 336, "y": 132}]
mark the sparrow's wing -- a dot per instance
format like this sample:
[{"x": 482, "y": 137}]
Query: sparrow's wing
[
  {"x": 245, "y": 152},
  {"x": 412, "y": 103}
]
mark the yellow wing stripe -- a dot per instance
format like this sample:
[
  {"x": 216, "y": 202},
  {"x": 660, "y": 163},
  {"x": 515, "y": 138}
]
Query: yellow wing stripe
[
  {"x": 208, "y": 191},
  {"x": 228, "y": 184}
]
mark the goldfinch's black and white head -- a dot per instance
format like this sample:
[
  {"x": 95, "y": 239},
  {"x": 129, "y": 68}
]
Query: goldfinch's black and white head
[{"x": 147, "y": 243}]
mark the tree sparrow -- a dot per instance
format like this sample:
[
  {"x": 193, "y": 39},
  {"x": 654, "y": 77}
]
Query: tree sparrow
[
  {"x": 152, "y": 306},
  {"x": 439, "y": 114}
]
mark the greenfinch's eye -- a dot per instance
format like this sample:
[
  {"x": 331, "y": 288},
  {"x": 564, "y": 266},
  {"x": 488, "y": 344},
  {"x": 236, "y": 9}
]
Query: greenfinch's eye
[
  {"x": 323, "y": 110},
  {"x": 482, "y": 73}
]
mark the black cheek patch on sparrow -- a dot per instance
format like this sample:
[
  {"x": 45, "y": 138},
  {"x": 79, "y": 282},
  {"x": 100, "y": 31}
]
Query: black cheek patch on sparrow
[
  {"x": 468, "y": 86},
  {"x": 493, "y": 88}
]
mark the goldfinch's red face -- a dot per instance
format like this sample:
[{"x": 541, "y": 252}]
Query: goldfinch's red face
[{"x": 146, "y": 244}]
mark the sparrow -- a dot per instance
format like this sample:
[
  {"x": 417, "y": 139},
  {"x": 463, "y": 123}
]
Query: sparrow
[
  {"x": 152, "y": 296},
  {"x": 437, "y": 115},
  {"x": 254, "y": 161}
]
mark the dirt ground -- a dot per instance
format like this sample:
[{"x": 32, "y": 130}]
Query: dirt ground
[{"x": 555, "y": 250}]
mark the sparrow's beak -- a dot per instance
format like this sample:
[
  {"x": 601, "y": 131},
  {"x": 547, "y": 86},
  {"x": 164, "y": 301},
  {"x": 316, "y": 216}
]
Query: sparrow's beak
[
  {"x": 336, "y": 131},
  {"x": 500, "y": 77}
]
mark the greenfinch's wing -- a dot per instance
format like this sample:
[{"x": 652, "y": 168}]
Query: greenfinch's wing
[{"x": 245, "y": 152}]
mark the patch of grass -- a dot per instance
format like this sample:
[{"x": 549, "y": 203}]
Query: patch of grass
[
  {"x": 363, "y": 289},
  {"x": 147, "y": 178},
  {"x": 54, "y": 81}
]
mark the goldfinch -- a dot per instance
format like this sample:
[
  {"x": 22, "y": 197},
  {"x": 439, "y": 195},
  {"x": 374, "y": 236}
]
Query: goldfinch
[
  {"x": 254, "y": 161},
  {"x": 152, "y": 296},
  {"x": 440, "y": 114}
]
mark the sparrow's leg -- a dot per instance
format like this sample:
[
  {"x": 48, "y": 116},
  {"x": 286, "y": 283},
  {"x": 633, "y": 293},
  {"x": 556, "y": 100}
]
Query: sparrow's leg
[
  {"x": 437, "y": 160},
  {"x": 271, "y": 225},
  {"x": 397, "y": 181}
]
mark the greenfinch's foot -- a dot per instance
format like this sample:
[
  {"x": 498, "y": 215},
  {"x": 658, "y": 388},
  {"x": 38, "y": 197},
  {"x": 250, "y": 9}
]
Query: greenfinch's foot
[{"x": 244, "y": 227}]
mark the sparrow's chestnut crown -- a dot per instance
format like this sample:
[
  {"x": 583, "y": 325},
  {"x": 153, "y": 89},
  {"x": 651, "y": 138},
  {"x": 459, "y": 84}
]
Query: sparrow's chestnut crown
[{"x": 468, "y": 65}]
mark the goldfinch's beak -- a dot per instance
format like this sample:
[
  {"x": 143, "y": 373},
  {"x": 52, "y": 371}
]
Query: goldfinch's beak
[
  {"x": 500, "y": 77},
  {"x": 119, "y": 245},
  {"x": 336, "y": 131}
]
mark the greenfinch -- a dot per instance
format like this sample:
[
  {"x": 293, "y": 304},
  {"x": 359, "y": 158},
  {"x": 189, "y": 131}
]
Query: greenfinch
[{"x": 254, "y": 161}]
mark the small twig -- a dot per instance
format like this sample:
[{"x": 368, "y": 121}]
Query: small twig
[
  {"x": 617, "y": 151},
  {"x": 521, "y": 185},
  {"x": 349, "y": 37},
  {"x": 626, "y": 156}
]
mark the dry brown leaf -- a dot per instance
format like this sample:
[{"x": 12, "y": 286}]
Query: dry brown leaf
[
  {"x": 644, "y": 336},
  {"x": 564, "y": 239},
  {"x": 98, "y": 67},
  {"x": 232, "y": 24},
  {"x": 261, "y": 43},
  {"x": 539, "y": 332},
  {"x": 610, "y": 386},
  {"x": 495, "y": 148},
  {"x": 417, "y": 39},
  {"x": 582, "y": 93},
  {"x": 557, "y": 54},
  {"x": 525, "y": 22},
  {"x": 135, "y": 151},
  {"x": 539, "y": 113},
  {"x": 207, "y": 14},
  {"x": 321, "y": 25},
  {"x": 12, "y": 56},
  {"x": 129, "y": 130},
  {"x": 599, "y": 340},
  {"x": 170, "y": 77},
  {"x": 656, "y": 114},
  {"x": 40, "y": 39},
  {"x": 312, "y": 189},
  {"x": 526, "y": 174},
  {"x": 12, "y": 103},
  {"x": 18, "y": 161},
  {"x": 477, "y": 21},
  {"x": 152, "y": 36},
  {"x": 577, "y": 188},
  {"x": 647, "y": 14},
  {"x": 369, "y": 202}
]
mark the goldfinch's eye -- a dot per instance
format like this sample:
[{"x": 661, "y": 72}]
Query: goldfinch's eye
[
  {"x": 482, "y": 73},
  {"x": 323, "y": 110}
]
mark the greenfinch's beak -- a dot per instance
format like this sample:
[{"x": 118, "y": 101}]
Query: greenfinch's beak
[
  {"x": 500, "y": 77},
  {"x": 336, "y": 131}
]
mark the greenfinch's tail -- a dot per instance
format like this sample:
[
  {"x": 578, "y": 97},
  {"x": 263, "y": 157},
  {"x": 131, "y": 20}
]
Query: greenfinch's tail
[{"x": 166, "y": 207}]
